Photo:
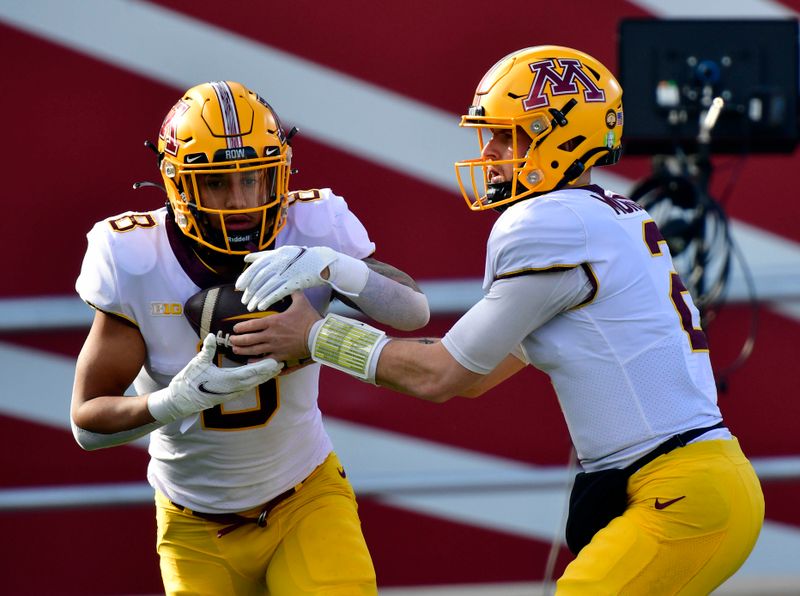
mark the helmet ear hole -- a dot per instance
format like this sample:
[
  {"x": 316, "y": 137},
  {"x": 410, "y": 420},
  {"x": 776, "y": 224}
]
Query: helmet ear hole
[{"x": 572, "y": 143}]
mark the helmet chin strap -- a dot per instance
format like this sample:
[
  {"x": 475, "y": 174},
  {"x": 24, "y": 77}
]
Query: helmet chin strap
[
  {"x": 573, "y": 172},
  {"x": 499, "y": 191},
  {"x": 496, "y": 192}
]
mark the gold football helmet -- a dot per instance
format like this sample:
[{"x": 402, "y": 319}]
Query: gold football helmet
[
  {"x": 225, "y": 160},
  {"x": 569, "y": 105}
]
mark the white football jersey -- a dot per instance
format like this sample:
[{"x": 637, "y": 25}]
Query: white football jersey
[
  {"x": 243, "y": 453},
  {"x": 630, "y": 365}
]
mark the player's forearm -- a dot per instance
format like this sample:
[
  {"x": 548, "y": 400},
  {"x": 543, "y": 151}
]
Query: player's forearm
[
  {"x": 108, "y": 421},
  {"x": 423, "y": 368},
  {"x": 419, "y": 367},
  {"x": 401, "y": 369},
  {"x": 388, "y": 300},
  {"x": 392, "y": 273},
  {"x": 111, "y": 414},
  {"x": 90, "y": 441}
]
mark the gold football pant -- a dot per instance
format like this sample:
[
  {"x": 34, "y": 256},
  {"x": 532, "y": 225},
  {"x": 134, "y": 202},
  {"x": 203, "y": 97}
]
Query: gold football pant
[
  {"x": 312, "y": 544},
  {"x": 693, "y": 517}
]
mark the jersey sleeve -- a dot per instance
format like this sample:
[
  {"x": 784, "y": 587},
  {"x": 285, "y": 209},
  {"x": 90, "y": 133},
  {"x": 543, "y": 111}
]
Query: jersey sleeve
[
  {"x": 534, "y": 236},
  {"x": 322, "y": 218},
  {"x": 97, "y": 282},
  {"x": 510, "y": 311},
  {"x": 111, "y": 265}
]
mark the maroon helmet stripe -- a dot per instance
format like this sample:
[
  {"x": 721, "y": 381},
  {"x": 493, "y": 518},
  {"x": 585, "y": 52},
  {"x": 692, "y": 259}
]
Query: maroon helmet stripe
[{"x": 230, "y": 118}]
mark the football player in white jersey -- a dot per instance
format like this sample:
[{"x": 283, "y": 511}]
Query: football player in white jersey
[
  {"x": 250, "y": 497},
  {"x": 579, "y": 283}
]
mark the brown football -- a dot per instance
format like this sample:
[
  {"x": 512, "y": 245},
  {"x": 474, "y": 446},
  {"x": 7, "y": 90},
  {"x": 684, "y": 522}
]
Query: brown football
[{"x": 217, "y": 309}]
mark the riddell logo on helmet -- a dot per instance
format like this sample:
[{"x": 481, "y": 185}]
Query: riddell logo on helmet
[{"x": 563, "y": 83}]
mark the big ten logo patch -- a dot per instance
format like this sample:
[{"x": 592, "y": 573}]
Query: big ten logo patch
[{"x": 166, "y": 309}]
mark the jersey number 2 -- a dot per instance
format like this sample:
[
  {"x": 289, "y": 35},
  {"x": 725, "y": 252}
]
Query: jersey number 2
[{"x": 677, "y": 291}]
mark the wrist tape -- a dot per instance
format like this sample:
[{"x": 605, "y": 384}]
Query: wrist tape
[
  {"x": 348, "y": 275},
  {"x": 347, "y": 345}
]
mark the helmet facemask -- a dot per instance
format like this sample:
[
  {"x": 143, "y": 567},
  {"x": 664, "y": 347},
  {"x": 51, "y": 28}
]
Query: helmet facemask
[
  {"x": 236, "y": 208},
  {"x": 480, "y": 193}
]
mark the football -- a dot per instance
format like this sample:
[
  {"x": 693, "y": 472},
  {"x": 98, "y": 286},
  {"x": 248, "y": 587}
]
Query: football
[{"x": 217, "y": 309}]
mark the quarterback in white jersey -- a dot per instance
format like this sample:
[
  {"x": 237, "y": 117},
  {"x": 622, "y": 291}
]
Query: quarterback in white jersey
[
  {"x": 248, "y": 490},
  {"x": 579, "y": 282},
  {"x": 593, "y": 347}
]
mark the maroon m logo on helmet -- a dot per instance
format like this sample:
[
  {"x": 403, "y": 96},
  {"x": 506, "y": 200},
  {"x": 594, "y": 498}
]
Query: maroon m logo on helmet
[
  {"x": 169, "y": 128},
  {"x": 544, "y": 73}
]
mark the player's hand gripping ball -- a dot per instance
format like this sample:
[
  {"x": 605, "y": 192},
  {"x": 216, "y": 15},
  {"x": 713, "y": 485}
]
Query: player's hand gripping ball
[{"x": 217, "y": 309}]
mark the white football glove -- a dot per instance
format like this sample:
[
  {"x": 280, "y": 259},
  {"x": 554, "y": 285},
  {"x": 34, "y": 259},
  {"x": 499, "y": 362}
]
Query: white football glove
[
  {"x": 274, "y": 274},
  {"x": 202, "y": 385}
]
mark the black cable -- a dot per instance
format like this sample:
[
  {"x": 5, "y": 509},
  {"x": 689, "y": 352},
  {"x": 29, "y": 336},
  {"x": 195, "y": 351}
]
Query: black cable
[
  {"x": 697, "y": 230},
  {"x": 722, "y": 377}
]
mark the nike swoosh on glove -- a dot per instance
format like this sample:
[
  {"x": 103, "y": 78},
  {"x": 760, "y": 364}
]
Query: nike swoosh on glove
[
  {"x": 274, "y": 274},
  {"x": 202, "y": 385}
]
